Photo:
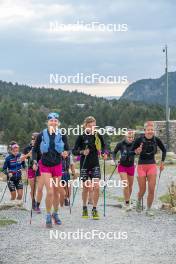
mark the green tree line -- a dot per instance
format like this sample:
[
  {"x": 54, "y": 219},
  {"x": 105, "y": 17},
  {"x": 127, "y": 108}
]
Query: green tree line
[{"x": 24, "y": 110}]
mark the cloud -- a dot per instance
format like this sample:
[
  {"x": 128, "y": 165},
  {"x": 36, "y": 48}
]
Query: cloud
[
  {"x": 12, "y": 12},
  {"x": 15, "y": 12},
  {"x": 6, "y": 72},
  {"x": 29, "y": 47}
]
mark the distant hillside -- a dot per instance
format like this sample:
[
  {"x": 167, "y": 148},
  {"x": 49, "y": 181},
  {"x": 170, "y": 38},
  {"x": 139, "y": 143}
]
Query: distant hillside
[
  {"x": 23, "y": 110},
  {"x": 152, "y": 90},
  {"x": 112, "y": 97}
]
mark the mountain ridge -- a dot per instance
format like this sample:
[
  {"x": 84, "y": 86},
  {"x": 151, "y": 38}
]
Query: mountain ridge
[{"x": 152, "y": 90}]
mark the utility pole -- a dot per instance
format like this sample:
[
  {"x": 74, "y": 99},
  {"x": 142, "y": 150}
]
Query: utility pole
[{"x": 167, "y": 97}]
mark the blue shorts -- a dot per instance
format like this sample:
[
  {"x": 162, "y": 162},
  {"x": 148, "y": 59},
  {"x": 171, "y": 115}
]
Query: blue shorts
[{"x": 65, "y": 177}]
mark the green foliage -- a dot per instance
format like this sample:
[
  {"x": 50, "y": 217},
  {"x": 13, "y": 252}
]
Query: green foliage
[
  {"x": 23, "y": 110},
  {"x": 165, "y": 198},
  {"x": 5, "y": 221}
]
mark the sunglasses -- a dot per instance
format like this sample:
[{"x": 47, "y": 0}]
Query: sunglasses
[
  {"x": 53, "y": 120},
  {"x": 15, "y": 146}
]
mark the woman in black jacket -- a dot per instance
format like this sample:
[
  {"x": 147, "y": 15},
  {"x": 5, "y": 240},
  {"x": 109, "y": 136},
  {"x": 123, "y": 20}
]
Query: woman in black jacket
[
  {"x": 126, "y": 167},
  {"x": 147, "y": 169},
  {"x": 52, "y": 144},
  {"x": 89, "y": 145}
]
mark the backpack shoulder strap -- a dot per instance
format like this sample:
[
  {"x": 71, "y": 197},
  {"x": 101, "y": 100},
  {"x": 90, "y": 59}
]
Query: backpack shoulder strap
[
  {"x": 143, "y": 139},
  {"x": 97, "y": 142},
  {"x": 85, "y": 138},
  {"x": 68, "y": 161},
  {"x": 123, "y": 145},
  {"x": 45, "y": 135},
  {"x": 58, "y": 137},
  {"x": 155, "y": 140}
]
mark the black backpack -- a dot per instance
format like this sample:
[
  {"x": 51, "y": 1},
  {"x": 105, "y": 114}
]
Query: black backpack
[
  {"x": 149, "y": 147},
  {"x": 125, "y": 157}
]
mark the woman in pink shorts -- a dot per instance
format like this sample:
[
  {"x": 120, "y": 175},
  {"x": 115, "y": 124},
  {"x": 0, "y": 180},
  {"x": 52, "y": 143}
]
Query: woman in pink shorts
[
  {"x": 52, "y": 145},
  {"x": 146, "y": 146},
  {"x": 126, "y": 166}
]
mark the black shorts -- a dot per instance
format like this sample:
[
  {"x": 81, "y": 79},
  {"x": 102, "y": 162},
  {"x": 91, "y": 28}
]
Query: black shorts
[
  {"x": 15, "y": 184},
  {"x": 89, "y": 174},
  {"x": 65, "y": 178}
]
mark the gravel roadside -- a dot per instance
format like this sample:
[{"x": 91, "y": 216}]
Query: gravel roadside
[{"x": 149, "y": 240}]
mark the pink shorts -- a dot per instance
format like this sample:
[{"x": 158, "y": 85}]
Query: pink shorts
[
  {"x": 128, "y": 170},
  {"x": 55, "y": 171},
  {"x": 32, "y": 173},
  {"x": 146, "y": 169}
]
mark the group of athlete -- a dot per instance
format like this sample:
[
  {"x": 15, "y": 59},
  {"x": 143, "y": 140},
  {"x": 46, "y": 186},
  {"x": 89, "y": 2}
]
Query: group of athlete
[{"x": 49, "y": 162}]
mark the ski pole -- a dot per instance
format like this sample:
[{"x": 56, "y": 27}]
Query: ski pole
[
  {"x": 33, "y": 196},
  {"x": 3, "y": 193},
  {"x": 25, "y": 192},
  {"x": 68, "y": 192},
  {"x": 27, "y": 181},
  {"x": 156, "y": 193},
  {"x": 69, "y": 197},
  {"x": 2, "y": 197},
  {"x": 104, "y": 169},
  {"x": 74, "y": 196},
  {"x": 110, "y": 176}
]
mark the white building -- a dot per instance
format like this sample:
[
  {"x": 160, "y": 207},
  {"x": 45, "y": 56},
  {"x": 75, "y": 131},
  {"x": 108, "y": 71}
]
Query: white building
[{"x": 3, "y": 149}]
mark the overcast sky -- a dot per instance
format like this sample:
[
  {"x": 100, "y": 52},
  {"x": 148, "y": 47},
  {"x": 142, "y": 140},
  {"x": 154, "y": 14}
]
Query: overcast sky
[{"x": 30, "y": 51}]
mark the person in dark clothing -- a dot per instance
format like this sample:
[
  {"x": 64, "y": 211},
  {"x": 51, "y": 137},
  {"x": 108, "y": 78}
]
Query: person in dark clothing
[
  {"x": 89, "y": 146},
  {"x": 126, "y": 167},
  {"x": 67, "y": 165},
  {"x": 52, "y": 145},
  {"x": 31, "y": 174},
  {"x": 13, "y": 169},
  {"x": 147, "y": 169}
]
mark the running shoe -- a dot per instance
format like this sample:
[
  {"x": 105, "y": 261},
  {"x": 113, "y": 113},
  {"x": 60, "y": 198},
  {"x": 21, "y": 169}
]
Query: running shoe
[
  {"x": 56, "y": 219},
  {"x": 48, "y": 221},
  {"x": 138, "y": 206},
  {"x": 33, "y": 205},
  {"x": 127, "y": 208},
  {"x": 85, "y": 213},
  {"x": 149, "y": 212},
  {"x": 95, "y": 214},
  {"x": 37, "y": 210}
]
